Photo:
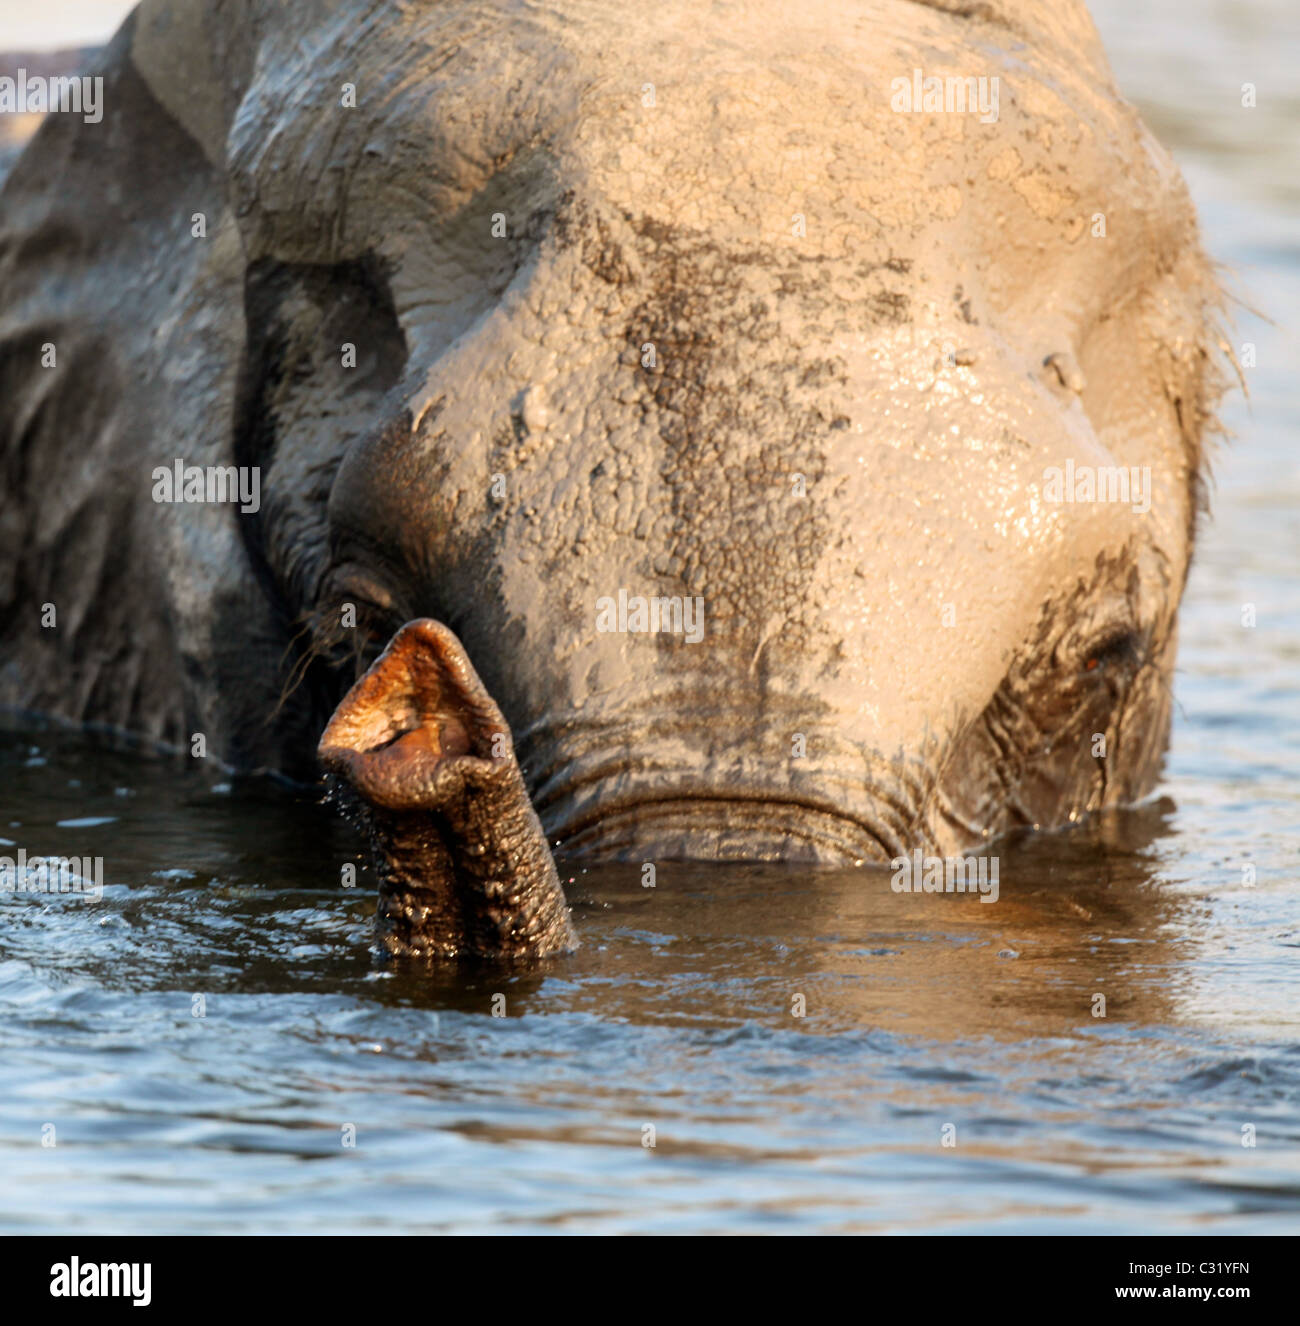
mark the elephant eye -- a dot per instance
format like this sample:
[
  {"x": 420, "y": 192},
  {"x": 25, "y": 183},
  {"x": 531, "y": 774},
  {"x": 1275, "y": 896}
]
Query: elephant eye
[
  {"x": 355, "y": 586},
  {"x": 360, "y": 603},
  {"x": 1100, "y": 638},
  {"x": 1119, "y": 647}
]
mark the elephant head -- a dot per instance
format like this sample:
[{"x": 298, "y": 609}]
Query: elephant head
[{"x": 761, "y": 433}]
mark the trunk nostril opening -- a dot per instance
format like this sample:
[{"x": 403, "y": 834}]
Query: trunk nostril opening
[
  {"x": 419, "y": 709},
  {"x": 377, "y": 729},
  {"x": 441, "y": 734}
]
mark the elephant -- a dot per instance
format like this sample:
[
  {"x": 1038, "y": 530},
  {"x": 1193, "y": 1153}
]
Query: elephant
[{"x": 734, "y": 432}]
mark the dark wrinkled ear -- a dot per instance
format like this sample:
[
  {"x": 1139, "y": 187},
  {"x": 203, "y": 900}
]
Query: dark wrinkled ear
[
  {"x": 198, "y": 60},
  {"x": 94, "y": 240},
  {"x": 122, "y": 336}
]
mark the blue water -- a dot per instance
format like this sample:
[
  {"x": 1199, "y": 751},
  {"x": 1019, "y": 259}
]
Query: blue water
[{"x": 922, "y": 1013}]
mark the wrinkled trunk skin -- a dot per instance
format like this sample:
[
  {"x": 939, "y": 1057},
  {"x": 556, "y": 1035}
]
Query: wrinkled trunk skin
[{"x": 426, "y": 758}]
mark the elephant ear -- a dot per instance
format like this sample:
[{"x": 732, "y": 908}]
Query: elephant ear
[
  {"x": 198, "y": 60},
  {"x": 121, "y": 335},
  {"x": 135, "y": 334}
]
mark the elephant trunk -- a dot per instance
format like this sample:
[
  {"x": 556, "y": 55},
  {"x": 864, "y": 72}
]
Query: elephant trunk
[{"x": 464, "y": 867}]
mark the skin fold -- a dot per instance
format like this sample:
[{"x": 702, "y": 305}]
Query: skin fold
[{"x": 666, "y": 300}]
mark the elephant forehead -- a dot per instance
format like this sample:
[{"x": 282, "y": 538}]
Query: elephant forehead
[{"x": 726, "y": 116}]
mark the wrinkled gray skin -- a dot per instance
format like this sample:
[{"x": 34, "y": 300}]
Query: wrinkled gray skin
[{"x": 873, "y": 332}]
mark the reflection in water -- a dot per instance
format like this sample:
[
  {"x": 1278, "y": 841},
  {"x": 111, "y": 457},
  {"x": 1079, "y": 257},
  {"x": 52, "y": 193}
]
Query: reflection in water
[
  {"x": 919, "y": 1013},
  {"x": 1078, "y": 915}
]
